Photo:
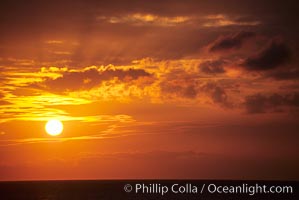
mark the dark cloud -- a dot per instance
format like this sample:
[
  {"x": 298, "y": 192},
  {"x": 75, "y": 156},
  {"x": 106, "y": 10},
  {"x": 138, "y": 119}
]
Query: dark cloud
[
  {"x": 166, "y": 7},
  {"x": 260, "y": 103},
  {"x": 101, "y": 42},
  {"x": 212, "y": 67},
  {"x": 291, "y": 74},
  {"x": 179, "y": 89},
  {"x": 192, "y": 89},
  {"x": 217, "y": 93},
  {"x": 91, "y": 78},
  {"x": 234, "y": 41},
  {"x": 276, "y": 53}
]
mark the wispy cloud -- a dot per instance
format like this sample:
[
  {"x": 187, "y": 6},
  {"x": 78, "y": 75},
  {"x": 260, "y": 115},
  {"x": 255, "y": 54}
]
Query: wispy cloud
[
  {"x": 221, "y": 20},
  {"x": 139, "y": 19},
  {"x": 54, "y": 42}
]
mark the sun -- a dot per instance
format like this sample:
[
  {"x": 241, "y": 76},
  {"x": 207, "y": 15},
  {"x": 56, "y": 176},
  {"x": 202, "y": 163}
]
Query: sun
[{"x": 54, "y": 127}]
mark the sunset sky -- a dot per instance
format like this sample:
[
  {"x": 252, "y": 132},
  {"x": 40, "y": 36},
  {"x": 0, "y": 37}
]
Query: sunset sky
[{"x": 202, "y": 89}]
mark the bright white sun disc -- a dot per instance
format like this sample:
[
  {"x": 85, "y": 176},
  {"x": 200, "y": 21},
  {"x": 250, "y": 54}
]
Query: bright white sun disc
[{"x": 54, "y": 127}]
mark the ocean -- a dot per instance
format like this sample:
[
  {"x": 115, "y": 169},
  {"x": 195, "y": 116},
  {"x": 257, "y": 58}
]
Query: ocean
[{"x": 147, "y": 189}]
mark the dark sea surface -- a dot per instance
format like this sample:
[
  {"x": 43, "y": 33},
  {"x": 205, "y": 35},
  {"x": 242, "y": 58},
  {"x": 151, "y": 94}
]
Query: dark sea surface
[{"x": 127, "y": 189}]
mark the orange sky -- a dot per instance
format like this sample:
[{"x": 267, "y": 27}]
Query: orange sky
[{"x": 149, "y": 89}]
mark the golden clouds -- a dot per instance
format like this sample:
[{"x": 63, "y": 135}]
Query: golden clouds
[
  {"x": 54, "y": 42},
  {"x": 139, "y": 19},
  {"x": 91, "y": 77},
  {"x": 37, "y": 106},
  {"x": 209, "y": 78},
  {"x": 207, "y": 21},
  {"x": 223, "y": 20},
  {"x": 32, "y": 95}
]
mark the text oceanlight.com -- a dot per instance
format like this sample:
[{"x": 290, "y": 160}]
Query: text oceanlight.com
[{"x": 188, "y": 188}]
